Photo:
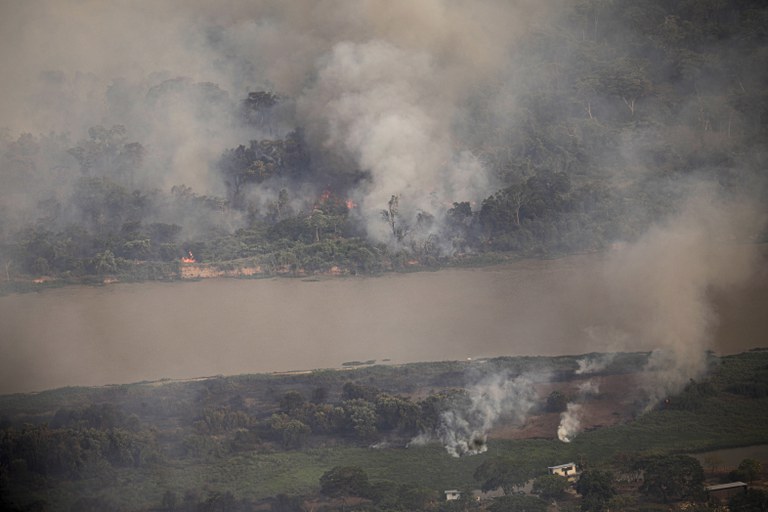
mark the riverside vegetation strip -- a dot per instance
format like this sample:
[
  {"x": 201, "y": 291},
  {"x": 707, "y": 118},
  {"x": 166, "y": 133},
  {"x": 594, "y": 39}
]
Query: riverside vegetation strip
[{"x": 130, "y": 445}]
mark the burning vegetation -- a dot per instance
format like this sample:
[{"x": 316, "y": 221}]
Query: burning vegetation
[{"x": 396, "y": 149}]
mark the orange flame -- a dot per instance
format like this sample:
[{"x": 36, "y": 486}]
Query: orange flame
[
  {"x": 351, "y": 204},
  {"x": 191, "y": 258}
]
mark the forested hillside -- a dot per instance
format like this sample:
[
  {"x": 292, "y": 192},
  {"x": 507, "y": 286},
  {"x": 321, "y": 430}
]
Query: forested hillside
[{"x": 613, "y": 114}]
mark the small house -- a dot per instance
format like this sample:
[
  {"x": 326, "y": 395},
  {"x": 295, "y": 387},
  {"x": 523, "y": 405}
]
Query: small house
[
  {"x": 566, "y": 470},
  {"x": 452, "y": 494},
  {"x": 723, "y": 492}
]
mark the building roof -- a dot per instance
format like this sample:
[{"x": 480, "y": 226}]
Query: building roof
[
  {"x": 721, "y": 487},
  {"x": 562, "y": 466}
]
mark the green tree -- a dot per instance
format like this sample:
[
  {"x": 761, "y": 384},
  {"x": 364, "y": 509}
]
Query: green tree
[
  {"x": 343, "y": 481},
  {"x": 748, "y": 470},
  {"x": 396, "y": 413},
  {"x": 596, "y": 488},
  {"x": 550, "y": 486},
  {"x": 754, "y": 500},
  {"x": 556, "y": 402},
  {"x": 292, "y": 432},
  {"x": 352, "y": 390},
  {"x": 361, "y": 418},
  {"x": 106, "y": 152},
  {"x": 105, "y": 262},
  {"x": 414, "y": 497},
  {"x": 319, "y": 395},
  {"x": 671, "y": 477},
  {"x": 291, "y": 401},
  {"x": 502, "y": 472}
]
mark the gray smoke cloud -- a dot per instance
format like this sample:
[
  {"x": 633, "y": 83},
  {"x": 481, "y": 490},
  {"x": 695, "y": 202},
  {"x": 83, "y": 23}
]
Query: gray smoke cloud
[
  {"x": 660, "y": 287},
  {"x": 594, "y": 364},
  {"x": 495, "y": 397},
  {"x": 378, "y": 85},
  {"x": 378, "y": 106}
]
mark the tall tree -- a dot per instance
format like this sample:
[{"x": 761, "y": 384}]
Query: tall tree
[
  {"x": 344, "y": 481},
  {"x": 502, "y": 472},
  {"x": 672, "y": 476},
  {"x": 596, "y": 488}
]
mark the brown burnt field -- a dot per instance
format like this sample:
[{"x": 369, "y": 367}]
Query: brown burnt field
[{"x": 615, "y": 400}]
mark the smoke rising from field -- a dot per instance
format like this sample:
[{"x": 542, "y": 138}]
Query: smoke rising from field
[
  {"x": 589, "y": 388},
  {"x": 594, "y": 364},
  {"x": 570, "y": 422},
  {"x": 658, "y": 290},
  {"x": 660, "y": 287},
  {"x": 570, "y": 419},
  {"x": 464, "y": 431}
]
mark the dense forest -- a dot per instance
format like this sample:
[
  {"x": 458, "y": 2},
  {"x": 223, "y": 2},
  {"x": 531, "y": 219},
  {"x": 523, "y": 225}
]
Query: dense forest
[{"x": 620, "y": 110}]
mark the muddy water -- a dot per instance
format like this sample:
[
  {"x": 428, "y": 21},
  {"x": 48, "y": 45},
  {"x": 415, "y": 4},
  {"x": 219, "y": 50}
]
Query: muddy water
[
  {"x": 730, "y": 458},
  {"x": 130, "y": 332}
]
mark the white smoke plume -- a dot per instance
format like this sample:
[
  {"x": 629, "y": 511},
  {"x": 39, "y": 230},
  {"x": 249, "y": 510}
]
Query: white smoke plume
[
  {"x": 570, "y": 423},
  {"x": 570, "y": 419},
  {"x": 589, "y": 388},
  {"x": 660, "y": 287},
  {"x": 465, "y": 432},
  {"x": 378, "y": 107},
  {"x": 594, "y": 364}
]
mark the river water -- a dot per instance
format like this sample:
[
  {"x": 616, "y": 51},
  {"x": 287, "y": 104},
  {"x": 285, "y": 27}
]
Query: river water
[{"x": 122, "y": 333}]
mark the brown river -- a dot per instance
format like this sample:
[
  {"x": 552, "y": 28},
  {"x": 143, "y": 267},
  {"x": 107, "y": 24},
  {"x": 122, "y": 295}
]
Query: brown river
[{"x": 122, "y": 333}]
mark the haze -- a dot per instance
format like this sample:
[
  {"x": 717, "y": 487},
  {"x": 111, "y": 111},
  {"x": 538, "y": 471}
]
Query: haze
[{"x": 417, "y": 97}]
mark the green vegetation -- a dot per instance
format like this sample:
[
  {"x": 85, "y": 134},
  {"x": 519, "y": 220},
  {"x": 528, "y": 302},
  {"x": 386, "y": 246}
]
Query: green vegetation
[
  {"x": 618, "y": 107},
  {"x": 618, "y": 104},
  {"x": 596, "y": 488},
  {"x": 254, "y": 437}
]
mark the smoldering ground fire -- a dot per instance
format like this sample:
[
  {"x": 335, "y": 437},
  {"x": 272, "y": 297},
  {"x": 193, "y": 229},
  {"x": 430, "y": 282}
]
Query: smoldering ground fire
[{"x": 463, "y": 429}]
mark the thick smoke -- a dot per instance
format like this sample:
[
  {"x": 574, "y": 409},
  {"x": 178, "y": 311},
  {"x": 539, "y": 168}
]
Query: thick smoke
[
  {"x": 496, "y": 397},
  {"x": 570, "y": 422},
  {"x": 377, "y": 84},
  {"x": 378, "y": 106},
  {"x": 660, "y": 287}
]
